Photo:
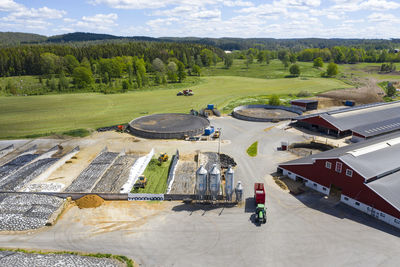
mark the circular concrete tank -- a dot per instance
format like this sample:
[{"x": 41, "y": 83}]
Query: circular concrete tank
[
  {"x": 266, "y": 113},
  {"x": 168, "y": 126}
]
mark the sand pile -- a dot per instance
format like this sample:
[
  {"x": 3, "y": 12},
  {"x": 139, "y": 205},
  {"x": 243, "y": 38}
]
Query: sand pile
[{"x": 89, "y": 201}]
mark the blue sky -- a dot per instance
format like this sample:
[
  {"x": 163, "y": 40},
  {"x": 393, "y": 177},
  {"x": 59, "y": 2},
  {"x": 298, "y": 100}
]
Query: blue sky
[{"x": 206, "y": 18}]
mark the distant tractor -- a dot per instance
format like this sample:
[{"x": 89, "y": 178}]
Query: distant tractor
[
  {"x": 187, "y": 92},
  {"x": 121, "y": 128},
  {"x": 260, "y": 214},
  {"x": 141, "y": 182},
  {"x": 216, "y": 134},
  {"x": 163, "y": 158}
]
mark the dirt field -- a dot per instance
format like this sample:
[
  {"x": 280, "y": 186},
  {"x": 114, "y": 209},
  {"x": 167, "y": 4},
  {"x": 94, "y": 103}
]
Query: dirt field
[
  {"x": 369, "y": 92},
  {"x": 266, "y": 113}
]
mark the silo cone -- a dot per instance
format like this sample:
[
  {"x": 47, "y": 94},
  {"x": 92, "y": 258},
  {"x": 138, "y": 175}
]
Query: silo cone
[{"x": 229, "y": 183}]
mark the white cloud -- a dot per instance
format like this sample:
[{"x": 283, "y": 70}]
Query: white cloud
[
  {"x": 98, "y": 23},
  {"x": 237, "y": 3},
  {"x": 9, "y": 5}
]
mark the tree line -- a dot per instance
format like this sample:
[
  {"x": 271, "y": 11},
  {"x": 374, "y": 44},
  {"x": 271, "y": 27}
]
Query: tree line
[{"x": 28, "y": 59}]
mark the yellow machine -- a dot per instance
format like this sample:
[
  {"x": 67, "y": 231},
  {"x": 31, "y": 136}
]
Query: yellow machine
[
  {"x": 163, "y": 158},
  {"x": 141, "y": 182}
]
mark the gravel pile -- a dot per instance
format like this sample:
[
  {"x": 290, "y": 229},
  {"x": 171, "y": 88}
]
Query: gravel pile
[
  {"x": 116, "y": 176},
  {"x": 26, "y": 174},
  {"x": 185, "y": 178},
  {"x": 210, "y": 159},
  {"x": 85, "y": 181},
  {"x": 16, "y": 164},
  {"x": 11, "y": 258},
  {"x": 225, "y": 161},
  {"x": 19, "y": 212}
]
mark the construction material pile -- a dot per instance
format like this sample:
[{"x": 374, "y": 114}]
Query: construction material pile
[
  {"x": 89, "y": 201},
  {"x": 19, "y": 212},
  {"x": 12, "y": 258},
  {"x": 225, "y": 161}
]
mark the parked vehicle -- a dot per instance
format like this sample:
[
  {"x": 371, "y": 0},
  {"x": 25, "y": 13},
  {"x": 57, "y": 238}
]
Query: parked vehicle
[
  {"x": 259, "y": 193},
  {"x": 260, "y": 214},
  {"x": 141, "y": 182}
]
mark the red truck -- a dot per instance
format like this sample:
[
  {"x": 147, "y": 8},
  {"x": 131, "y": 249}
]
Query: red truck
[{"x": 259, "y": 193}]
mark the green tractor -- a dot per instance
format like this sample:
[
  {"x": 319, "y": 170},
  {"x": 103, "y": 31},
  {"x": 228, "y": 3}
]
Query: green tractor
[{"x": 260, "y": 214}]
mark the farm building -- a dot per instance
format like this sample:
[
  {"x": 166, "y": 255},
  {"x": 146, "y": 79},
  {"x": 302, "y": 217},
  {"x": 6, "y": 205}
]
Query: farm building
[
  {"x": 365, "y": 174},
  {"x": 305, "y": 104},
  {"x": 362, "y": 122}
]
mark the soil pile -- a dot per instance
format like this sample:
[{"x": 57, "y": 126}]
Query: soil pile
[
  {"x": 225, "y": 161},
  {"x": 89, "y": 201}
]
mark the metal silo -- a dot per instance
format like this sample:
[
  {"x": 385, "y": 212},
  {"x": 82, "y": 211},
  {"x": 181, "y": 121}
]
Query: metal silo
[
  {"x": 239, "y": 191},
  {"x": 229, "y": 183},
  {"x": 201, "y": 181},
  {"x": 214, "y": 181}
]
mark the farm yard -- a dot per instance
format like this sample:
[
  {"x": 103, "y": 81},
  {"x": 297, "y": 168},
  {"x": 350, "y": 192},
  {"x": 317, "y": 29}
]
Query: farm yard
[{"x": 54, "y": 114}]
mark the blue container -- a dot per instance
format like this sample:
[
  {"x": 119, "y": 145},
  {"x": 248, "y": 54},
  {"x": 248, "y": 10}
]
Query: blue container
[
  {"x": 349, "y": 103},
  {"x": 209, "y": 130},
  {"x": 210, "y": 106}
]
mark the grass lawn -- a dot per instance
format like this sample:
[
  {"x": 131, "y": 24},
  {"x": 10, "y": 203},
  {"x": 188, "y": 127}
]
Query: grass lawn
[
  {"x": 369, "y": 70},
  {"x": 32, "y": 115},
  {"x": 157, "y": 176},
  {"x": 274, "y": 70},
  {"x": 252, "y": 150}
]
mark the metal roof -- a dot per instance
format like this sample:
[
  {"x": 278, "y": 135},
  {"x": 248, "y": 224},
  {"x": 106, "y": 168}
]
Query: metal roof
[
  {"x": 378, "y": 128},
  {"x": 305, "y": 101},
  {"x": 388, "y": 187},
  {"x": 369, "y": 158},
  {"x": 365, "y": 116}
]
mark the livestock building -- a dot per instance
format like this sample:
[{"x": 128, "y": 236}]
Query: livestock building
[
  {"x": 362, "y": 122},
  {"x": 365, "y": 174},
  {"x": 305, "y": 104}
]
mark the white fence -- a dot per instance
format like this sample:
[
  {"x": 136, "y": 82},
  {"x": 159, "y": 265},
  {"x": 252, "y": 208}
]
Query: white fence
[
  {"x": 145, "y": 197},
  {"x": 172, "y": 169}
]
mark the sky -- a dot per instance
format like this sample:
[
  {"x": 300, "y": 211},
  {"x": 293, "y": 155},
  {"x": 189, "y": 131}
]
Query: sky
[{"x": 206, "y": 18}]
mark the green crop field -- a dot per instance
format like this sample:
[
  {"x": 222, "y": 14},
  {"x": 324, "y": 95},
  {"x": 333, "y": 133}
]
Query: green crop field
[
  {"x": 274, "y": 70},
  {"x": 33, "y": 115},
  {"x": 157, "y": 176}
]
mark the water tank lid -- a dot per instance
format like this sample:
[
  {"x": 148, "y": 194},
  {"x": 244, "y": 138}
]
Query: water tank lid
[
  {"x": 215, "y": 170},
  {"x": 230, "y": 170},
  {"x": 202, "y": 170}
]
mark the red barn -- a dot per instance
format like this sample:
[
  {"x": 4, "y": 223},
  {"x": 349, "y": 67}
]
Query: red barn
[
  {"x": 362, "y": 121},
  {"x": 366, "y": 174}
]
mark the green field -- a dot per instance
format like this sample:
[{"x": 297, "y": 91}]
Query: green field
[
  {"x": 157, "y": 176},
  {"x": 274, "y": 70},
  {"x": 33, "y": 115}
]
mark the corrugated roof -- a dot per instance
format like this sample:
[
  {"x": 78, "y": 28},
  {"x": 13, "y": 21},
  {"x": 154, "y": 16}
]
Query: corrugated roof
[
  {"x": 363, "y": 117},
  {"x": 388, "y": 187},
  {"x": 369, "y": 158},
  {"x": 378, "y": 128}
]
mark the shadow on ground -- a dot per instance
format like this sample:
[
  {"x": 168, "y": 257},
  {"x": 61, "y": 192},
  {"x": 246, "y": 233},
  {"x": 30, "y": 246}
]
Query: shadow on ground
[
  {"x": 192, "y": 207},
  {"x": 334, "y": 207}
]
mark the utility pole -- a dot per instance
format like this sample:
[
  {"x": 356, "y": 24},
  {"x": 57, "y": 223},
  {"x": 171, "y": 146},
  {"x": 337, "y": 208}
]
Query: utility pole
[{"x": 219, "y": 141}]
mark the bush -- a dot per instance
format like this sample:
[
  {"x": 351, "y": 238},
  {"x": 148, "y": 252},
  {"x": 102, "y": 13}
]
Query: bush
[
  {"x": 332, "y": 70},
  {"x": 303, "y": 94},
  {"x": 125, "y": 85},
  {"x": 294, "y": 70},
  {"x": 390, "y": 89},
  {"x": 318, "y": 62},
  {"x": 274, "y": 100}
]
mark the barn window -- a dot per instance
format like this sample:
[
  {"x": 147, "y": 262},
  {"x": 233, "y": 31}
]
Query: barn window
[
  {"x": 338, "y": 167},
  {"x": 323, "y": 188},
  {"x": 346, "y": 198},
  {"x": 358, "y": 203},
  {"x": 349, "y": 172},
  {"x": 396, "y": 221},
  {"x": 382, "y": 215},
  {"x": 315, "y": 184},
  {"x": 328, "y": 165}
]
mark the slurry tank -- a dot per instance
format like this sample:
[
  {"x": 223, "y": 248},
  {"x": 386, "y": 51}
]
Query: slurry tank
[
  {"x": 201, "y": 181},
  {"x": 229, "y": 183},
  {"x": 214, "y": 181}
]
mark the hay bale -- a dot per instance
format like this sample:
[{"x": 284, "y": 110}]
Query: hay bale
[{"x": 89, "y": 201}]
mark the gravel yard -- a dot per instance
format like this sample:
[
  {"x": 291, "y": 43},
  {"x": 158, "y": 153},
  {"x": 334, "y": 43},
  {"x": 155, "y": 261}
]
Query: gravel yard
[
  {"x": 185, "y": 178},
  {"x": 19, "y": 212},
  {"x": 116, "y": 176},
  {"x": 12, "y": 258},
  {"x": 85, "y": 181},
  {"x": 26, "y": 174},
  {"x": 16, "y": 164}
]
